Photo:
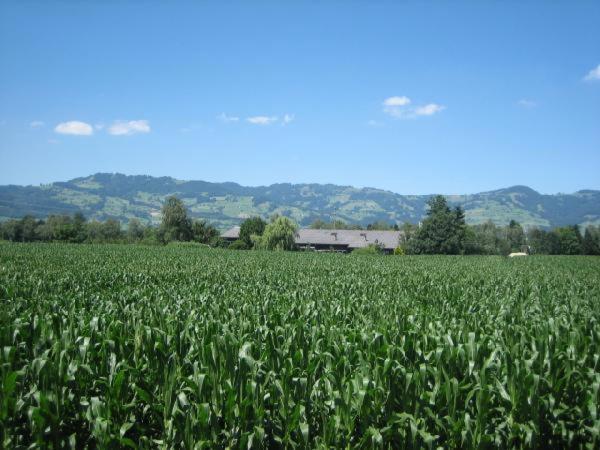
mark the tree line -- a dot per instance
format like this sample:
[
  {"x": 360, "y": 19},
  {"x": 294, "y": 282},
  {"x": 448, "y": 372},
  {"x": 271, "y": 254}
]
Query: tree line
[
  {"x": 176, "y": 225},
  {"x": 337, "y": 224},
  {"x": 442, "y": 231}
]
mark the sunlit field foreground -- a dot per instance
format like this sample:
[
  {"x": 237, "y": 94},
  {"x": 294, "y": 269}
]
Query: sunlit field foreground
[{"x": 114, "y": 346}]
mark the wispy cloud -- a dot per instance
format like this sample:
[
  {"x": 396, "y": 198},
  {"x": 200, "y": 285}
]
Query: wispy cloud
[
  {"x": 395, "y": 106},
  {"x": 396, "y": 101},
  {"x": 53, "y": 141},
  {"x": 399, "y": 108},
  {"x": 286, "y": 119},
  {"x": 123, "y": 128},
  {"x": 262, "y": 120},
  {"x": 593, "y": 75},
  {"x": 74, "y": 127},
  {"x": 374, "y": 123},
  {"x": 36, "y": 124},
  {"x": 227, "y": 119},
  {"x": 429, "y": 110},
  {"x": 527, "y": 103}
]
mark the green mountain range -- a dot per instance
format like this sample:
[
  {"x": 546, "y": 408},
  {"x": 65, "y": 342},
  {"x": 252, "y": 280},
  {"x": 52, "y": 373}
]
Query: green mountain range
[{"x": 119, "y": 196}]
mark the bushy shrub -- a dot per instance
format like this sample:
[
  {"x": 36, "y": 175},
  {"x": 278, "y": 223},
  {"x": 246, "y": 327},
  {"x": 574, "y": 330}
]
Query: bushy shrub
[
  {"x": 249, "y": 227},
  {"x": 370, "y": 249}
]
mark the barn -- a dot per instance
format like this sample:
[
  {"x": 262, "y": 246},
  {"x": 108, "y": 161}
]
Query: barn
[
  {"x": 346, "y": 240},
  {"x": 233, "y": 234},
  {"x": 335, "y": 240}
]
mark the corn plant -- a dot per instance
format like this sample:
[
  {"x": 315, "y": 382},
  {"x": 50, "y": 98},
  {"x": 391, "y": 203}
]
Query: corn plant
[{"x": 183, "y": 347}]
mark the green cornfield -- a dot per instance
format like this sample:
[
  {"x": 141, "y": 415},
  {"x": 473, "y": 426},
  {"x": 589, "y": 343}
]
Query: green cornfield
[{"x": 115, "y": 346}]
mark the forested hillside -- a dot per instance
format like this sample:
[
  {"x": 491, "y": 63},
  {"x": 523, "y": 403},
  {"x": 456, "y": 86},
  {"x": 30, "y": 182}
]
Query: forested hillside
[{"x": 122, "y": 197}]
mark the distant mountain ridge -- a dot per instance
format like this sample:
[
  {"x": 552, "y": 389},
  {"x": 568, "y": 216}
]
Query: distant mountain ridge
[{"x": 119, "y": 196}]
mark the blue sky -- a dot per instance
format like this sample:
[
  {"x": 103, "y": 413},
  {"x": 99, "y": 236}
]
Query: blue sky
[{"x": 414, "y": 97}]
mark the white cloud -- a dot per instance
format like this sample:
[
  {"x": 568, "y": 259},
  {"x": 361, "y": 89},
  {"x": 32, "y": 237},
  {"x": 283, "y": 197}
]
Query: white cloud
[
  {"x": 526, "y": 103},
  {"x": 122, "y": 128},
  {"x": 395, "y": 106},
  {"x": 287, "y": 118},
  {"x": 428, "y": 110},
  {"x": 398, "y": 107},
  {"x": 37, "y": 124},
  {"x": 227, "y": 119},
  {"x": 593, "y": 75},
  {"x": 262, "y": 120},
  {"x": 74, "y": 127},
  {"x": 396, "y": 101},
  {"x": 99, "y": 126},
  {"x": 374, "y": 123}
]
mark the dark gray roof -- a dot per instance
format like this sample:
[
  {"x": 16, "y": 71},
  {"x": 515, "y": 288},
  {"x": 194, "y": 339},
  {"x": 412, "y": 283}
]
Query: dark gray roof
[
  {"x": 232, "y": 233},
  {"x": 351, "y": 238}
]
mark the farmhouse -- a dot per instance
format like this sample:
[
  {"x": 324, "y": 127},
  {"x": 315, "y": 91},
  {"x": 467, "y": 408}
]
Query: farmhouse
[
  {"x": 231, "y": 235},
  {"x": 346, "y": 240},
  {"x": 335, "y": 240}
]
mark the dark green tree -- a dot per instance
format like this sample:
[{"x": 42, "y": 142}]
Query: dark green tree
[
  {"x": 108, "y": 231},
  {"x": 408, "y": 233},
  {"x": 543, "y": 242},
  {"x": 29, "y": 226},
  {"x": 175, "y": 225},
  {"x": 79, "y": 228},
  {"x": 380, "y": 225},
  {"x": 249, "y": 227},
  {"x": 335, "y": 224},
  {"x": 569, "y": 239},
  {"x": 441, "y": 232},
  {"x": 58, "y": 228},
  {"x": 553, "y": 242},
  {"x": 486, "y": 239},
  {"x": 203, "y": 232},
  {"x": 591, "y": 241},
  {"x": 515, "y": 236},
  {"x": 459, "y": 230},
  {"x": 537, "y": 240},
  {"x": 135, "y": 230},
  {"x": 151, "y": 236},
  {"x": 473, "y": 242},
  {"x": 318, "y": 224},
  {"x": 94, "y": 232},
  {"x": 111, "y": 231},
  {"x": 12, "y": 230}
]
